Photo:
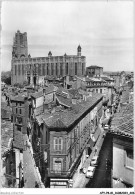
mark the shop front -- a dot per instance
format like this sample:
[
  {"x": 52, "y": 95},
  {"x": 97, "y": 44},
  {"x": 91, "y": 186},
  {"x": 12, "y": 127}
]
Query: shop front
[{"x": 60, "y": 183}]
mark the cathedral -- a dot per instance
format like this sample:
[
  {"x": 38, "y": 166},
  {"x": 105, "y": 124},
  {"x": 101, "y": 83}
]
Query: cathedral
[{"x": 25, "y": 68}]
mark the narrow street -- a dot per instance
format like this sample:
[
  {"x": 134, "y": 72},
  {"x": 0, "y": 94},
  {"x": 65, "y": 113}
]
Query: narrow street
[
  {"x": 102, "y": 176},
  {"x": 80, "y": 181},
  {"x": 30, "y": 172}
]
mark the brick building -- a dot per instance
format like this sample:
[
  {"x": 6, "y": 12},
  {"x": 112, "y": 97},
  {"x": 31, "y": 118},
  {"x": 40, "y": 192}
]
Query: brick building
[
  {"x": 25, "y": 68},
  {"x": 64, "y": 135},
  {"x": 94, "y": 71},
  {"x": 122, "y": 131},
  {"x": 20, "y": 113},
  {"x": 102, "y": 84}
]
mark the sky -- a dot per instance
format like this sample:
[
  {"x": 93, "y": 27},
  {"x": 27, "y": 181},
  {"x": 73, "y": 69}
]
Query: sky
[{"x": 104, "y": 29}]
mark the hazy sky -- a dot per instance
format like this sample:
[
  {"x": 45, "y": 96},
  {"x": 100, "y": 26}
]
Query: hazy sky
[{"x": 104, "y": 29}]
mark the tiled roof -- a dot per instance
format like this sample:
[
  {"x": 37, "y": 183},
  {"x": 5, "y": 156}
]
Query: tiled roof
[
  {"x": 61, "y": 91},
  {"x": 125, "y": 96},
  {"x": 58, "y": 123},
  {"x": 18, "y": 139},
  {"x": 39, "y": 119},
  {"x": 126, "y": 129},
  {"x": 69, "y": 116},
  {"x": 83, "y": 92},
  {"x": 50, "y": 77},
  {"x": 5, "y": 114},
  {"x": 128, "y": 109},
  {"x": 19, "y": 98},
  {"x": 50, "y": 89},
  {"x": 74, "y": 93},
  {"x": 94, "y": 66},
  {"x": 94, "y": 79},
  {"x": 106, "y": 78},
  {"x": 5, "y": 111},
  {"x": 121, "y": 119},
  {"x": 122, "y": 123},
  {"x": 64, "y": 101},
  {"x": 38, "y": 110},
  {"x": 37, "y": 94},
  {"x": 6, "y": 135},
  {"x": 87, "y": 79}
]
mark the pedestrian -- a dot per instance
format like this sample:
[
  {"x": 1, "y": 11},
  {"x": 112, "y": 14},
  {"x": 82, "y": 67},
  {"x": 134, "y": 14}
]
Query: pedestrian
[{"x": 36, "y": 184}]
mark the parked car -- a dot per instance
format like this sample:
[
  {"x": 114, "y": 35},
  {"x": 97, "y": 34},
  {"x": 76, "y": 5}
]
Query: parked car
[
  {"x": 104, "y": 135},
  {"x": 84, "y": 170},
  {"x": 106, "y": 127},
  {"x": 94, "y": 161},
  {"x": 90, "y": 172}
]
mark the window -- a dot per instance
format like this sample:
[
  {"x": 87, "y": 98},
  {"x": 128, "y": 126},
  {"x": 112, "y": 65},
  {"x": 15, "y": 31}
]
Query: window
[
  {"x": 129, "y": 159},
  {"x": 39, "y": 69},
  {"x": 68, "y": 142},
  {"x": 51, "y": 68},
  {"x": 56, "y": 69},
  {"x": 19, "y": 120},
  {"x": 96, "y": 90},
  {"x": 15, "y": 69},
  {"x": 16, "y": 110},
  {"x": 18, "y": 128},
  {"x": 22, "y": 69},
  {"x": 61, "y": 69},
  {"x": 100, "y": 90},
  {"x": 18, "y": 69},
  {"x": 75, "y": 68},
  {"x": 47, "y": 69},
  {"x": 43, "y": 68},
  {"x": 20, "y": 111},
  {"x": 57, "y": 165},
  {"x": 20, "y": 103},
  {"x": 66, "y": 68},
  {"x": 82, "y": 68},
  {"x": 58, "y": 143}
]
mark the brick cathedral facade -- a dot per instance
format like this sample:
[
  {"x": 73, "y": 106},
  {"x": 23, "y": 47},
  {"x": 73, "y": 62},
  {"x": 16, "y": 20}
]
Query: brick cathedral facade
[{"x": 25, "y": 68}]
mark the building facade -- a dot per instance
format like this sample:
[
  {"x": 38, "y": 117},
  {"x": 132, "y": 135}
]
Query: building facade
[
  {"x": 64, "y": 138},
  {"x": 94, "y": 71},
  {"x": 25, "y": 68},
  {"x": 122, "y": 130},
  {"x": 100, "y": 85}
]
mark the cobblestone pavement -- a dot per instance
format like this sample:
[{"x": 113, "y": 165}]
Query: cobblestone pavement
[
  {"x": 79, "y": 179},
  {"x": 29, "y": 168}
]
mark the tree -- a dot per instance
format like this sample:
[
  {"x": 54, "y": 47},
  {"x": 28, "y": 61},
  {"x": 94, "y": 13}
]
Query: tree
[{"x": 6, "y": 77}]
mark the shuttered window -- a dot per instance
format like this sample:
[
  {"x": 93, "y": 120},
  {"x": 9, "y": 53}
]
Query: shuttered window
[{"x": 58, "y": 143}]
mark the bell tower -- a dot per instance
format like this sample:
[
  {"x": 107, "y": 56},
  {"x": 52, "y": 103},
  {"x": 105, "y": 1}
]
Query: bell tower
[
  {"x": 79, "y": 51},
  {"x": 79, "y": 60},
  {"x": 20, "y": 46}
]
